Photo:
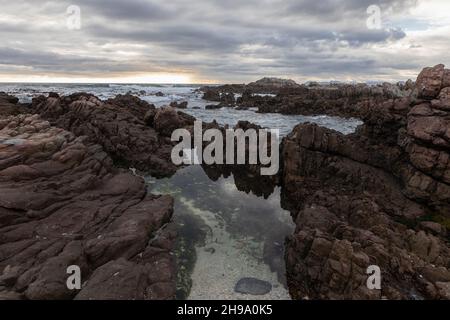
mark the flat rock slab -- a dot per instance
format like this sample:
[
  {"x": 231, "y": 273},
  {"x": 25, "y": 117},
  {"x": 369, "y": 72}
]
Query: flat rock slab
[{"x": 253, "y": 286}]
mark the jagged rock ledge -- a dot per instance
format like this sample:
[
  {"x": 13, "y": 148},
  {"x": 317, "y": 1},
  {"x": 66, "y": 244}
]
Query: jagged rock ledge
[
  {"x": 133, "y": 132},
  {"x": 373, "y": 198},
  {"x": 271, "y": 95}
]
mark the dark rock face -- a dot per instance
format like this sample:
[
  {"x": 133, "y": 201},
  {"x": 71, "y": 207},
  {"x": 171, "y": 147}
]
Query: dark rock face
[
  {"x": 253, "y": 286},
  {"x": 167, "y": 119},
  {"x": 130, "y": 130},
  {"x": 211, "y": 94},
  {"x": 367, "y": 198},
  {"x": 6, "y": 98},
  {"x": 63, "y": 203},
  {"x": 213, "y": 106},
  {"x": 9, "y": 105},
  {"x": 179, "y": 105},
  {"x": 265, "y": 84},
  {"x": 223, "y": 93},
  {"x": 130, "y": 103}
]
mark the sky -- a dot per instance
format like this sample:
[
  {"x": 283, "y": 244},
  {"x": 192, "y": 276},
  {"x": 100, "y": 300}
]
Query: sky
[{"x": 226, "y": 41}]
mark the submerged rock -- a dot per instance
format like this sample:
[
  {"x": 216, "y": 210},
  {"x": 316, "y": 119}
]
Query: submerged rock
[
  {"x": 179, "y": 105},
  {"x": 213, "y": 106},
  {"x": 253, "y": 286}
]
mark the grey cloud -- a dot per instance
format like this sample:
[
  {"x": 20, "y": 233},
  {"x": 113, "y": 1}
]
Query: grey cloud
[
  {"x": 231, "y": 39},
  {"x": 126, "y": 10}
]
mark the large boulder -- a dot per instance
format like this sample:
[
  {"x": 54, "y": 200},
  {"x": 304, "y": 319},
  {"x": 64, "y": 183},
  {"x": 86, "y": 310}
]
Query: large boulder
[{"x": 430, "y": 81}]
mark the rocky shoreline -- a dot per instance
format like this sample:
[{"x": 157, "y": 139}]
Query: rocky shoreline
[
  {"x": 380, "y": 196},
  {"x": 63, "y": 202},
  {"x": 373, "y": 198},
  {"x": 270, "y": 95}
]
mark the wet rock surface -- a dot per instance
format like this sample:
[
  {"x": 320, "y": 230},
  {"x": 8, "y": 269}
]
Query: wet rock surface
[
  {"x": 63, "y": 203},
  {"x": 372, "y": 198}
]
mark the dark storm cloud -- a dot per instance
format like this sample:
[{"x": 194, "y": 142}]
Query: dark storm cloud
[
  {"x": 179, "y": 37},
  {"x": 216, "y": 39}
]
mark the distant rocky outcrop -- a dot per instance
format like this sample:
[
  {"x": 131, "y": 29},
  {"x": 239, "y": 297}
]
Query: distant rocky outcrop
[
  {"x": 272, "y": 95},
  {"x": 272, "y": 83},
  {"x": 226, "y": 94},
  {"x": 345, "y": 100},
  {"x": 380, "y": 196}
]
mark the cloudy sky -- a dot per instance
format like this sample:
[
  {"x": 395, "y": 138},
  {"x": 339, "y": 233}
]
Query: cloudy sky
[{"x": 220, "y": 41}]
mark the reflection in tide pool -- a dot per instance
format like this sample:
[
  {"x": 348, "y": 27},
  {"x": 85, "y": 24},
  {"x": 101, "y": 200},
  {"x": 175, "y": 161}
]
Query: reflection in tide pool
[{"x": 225, "y": 235}]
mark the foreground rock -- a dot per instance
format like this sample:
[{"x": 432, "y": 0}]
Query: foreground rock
[
  {"x": 63, "y": 203},
  {"x": 133, "y": 132},
  {"x": 373, "y": 198}
]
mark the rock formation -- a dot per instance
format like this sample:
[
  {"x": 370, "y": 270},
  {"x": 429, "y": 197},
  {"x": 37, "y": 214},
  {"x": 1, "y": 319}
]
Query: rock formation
[
  {"x": 133, "y": 132},
  {"x": 9, "y": 105},
  {"x": 179, "y": 105},
  {"x": 378, "y": 197},
  {"x": 373, "y": 198},
  {"x": 271, "y": 95},
  {"x": 271, "y": 84},
  {"x": 63, "y": 203}
]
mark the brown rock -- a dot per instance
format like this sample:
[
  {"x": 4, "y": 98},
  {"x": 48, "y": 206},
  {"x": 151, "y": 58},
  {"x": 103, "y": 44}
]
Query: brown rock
[
  {"x": 429, "y": 82},
  {"x": 356, "y": 201},
  {"x": 125, "y": 127},
  {"x": 62, "y": 203},
  {"x": 179, "y": 105}
]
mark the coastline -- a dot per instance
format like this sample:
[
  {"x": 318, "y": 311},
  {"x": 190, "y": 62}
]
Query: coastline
[{"x": 366, "y": 198}]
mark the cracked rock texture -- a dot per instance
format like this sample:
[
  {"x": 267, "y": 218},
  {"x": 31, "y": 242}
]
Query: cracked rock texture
[
  {"x": 373, "y": 198},
  {"x": 63, "y": 203},
  {"x": 133, "y": 132}
]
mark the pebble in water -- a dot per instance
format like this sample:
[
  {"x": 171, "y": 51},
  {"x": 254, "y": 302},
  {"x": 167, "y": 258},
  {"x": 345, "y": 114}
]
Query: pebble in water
[{"x": 253, "y": 286}]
